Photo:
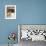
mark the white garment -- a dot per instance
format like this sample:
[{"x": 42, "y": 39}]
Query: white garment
[
  {"x": 24, "y": 33},
  {"x": 37, "y": 37}
]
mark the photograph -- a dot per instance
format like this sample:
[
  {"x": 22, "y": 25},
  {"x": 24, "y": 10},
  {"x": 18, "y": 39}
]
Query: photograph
[
  {"x": 10, "y": 11},
  {"x": 28, "y": 33}
]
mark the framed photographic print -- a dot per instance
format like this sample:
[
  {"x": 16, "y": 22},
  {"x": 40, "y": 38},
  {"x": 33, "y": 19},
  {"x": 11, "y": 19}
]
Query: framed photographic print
[
  {"x": 32, "y": 32},
  {"x": 10, "y": 11}
]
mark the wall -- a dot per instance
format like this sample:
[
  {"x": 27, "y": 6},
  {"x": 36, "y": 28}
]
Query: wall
[{"x": 27, "y": 12}]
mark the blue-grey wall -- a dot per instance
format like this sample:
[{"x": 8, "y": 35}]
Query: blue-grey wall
[{"x": 27, "y": 12}]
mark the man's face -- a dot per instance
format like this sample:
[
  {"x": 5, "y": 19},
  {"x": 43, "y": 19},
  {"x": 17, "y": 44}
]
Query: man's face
[{"x": 10, "y": 12}]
